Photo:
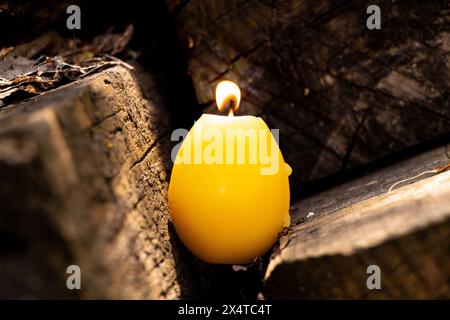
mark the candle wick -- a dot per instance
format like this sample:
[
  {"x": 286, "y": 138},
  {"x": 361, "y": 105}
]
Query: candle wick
[{"x": 230, "y": 106}]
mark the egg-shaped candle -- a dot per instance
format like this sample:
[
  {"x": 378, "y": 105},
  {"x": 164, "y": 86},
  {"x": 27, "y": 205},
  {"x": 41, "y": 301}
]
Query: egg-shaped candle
[{"x": 229, "y": 188}]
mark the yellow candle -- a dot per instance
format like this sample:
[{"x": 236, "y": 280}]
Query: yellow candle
[{"x": 229, "y": 189}]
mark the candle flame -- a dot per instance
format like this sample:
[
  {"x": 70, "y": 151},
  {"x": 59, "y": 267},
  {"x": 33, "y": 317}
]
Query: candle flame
[{"x": 228, "y": 96}]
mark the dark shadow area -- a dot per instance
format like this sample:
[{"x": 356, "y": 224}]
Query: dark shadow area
[
  {"x": 216, "y": 282},
  {"x": 160, "y": 51},
  {"x": 33, "y": 255},
  {"x": 319, "y": 185}
]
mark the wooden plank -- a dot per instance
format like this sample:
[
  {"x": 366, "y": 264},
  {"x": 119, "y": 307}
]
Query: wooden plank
[
  {"x": 341, "y": 95},
  {"x": 370, "y": 185},
  {"x": 84, "y": 175},
  {"x": 406, "y": 233}
]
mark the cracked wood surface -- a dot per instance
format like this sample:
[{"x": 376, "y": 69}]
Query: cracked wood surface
[
  {"x": 341, "y": 94},
  {"x": 84, "y": 174},
  {"x": 370, "y": 185},
  {"x": 405, "y": 232}
]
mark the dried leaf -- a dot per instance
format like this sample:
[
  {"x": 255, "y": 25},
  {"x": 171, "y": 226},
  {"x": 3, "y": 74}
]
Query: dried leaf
[
  {"x": 47, "y": 73},
  {"x": 66, "y": 60}
]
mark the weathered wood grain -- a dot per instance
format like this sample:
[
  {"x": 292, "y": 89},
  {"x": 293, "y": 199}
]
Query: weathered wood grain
[
  {"x": 406, "y": 233},
  {"x": 83, "y": 180},
  {"x": 370, "y": 185},
  {"x": 341, "y": 94}
]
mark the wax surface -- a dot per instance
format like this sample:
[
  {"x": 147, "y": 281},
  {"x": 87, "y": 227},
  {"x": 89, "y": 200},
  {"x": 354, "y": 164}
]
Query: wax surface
[{"x": 228, "y": 213}]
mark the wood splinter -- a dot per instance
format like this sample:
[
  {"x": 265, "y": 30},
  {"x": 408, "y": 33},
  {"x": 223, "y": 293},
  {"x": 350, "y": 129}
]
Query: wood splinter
[{"x": 436, "y": 170}]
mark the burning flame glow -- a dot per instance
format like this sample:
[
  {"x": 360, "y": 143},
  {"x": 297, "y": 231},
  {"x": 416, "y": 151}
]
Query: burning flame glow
[{"x": 228, "y": 96}]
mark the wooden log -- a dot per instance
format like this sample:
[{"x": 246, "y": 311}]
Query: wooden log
[
  {"x": 370, "y": 184},
  {"x": 406, "y": 233},
  {"x": 342, "y": 95},
  {"x": 84, "y": 174}
]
